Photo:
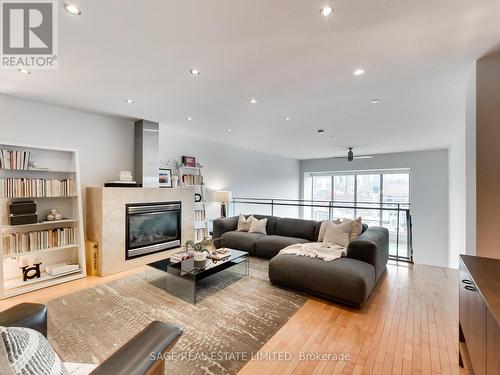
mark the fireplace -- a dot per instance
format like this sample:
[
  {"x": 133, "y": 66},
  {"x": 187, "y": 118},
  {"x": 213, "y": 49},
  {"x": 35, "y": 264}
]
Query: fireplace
[{"x": 151, "y": 228}]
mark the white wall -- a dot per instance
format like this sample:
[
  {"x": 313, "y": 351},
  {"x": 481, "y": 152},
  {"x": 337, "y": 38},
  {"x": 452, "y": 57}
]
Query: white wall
[
  {"x": 428, "y": 195},
  {"x": 105, "y": 144},
  {"x": 246, "y": 173},
  {"x": 470, "y": 162},
  {"x": 462, "y": 179},
  {"x": 457, "y": 198}
]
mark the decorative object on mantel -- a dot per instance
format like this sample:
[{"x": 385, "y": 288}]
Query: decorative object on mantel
[
  {"x": 121, "y": 184},
  {"x": 224, "y": 197},
  {"x": 172, "y": 164},
  {"x": 54, "y": 215},
  {"x": 124, "y": 180},
  {"x": 165, "y": 178},
  {"x": 126, "y": 176},
  {"x": 175, "y": 182},
  {"x": 30, "y": 272}
]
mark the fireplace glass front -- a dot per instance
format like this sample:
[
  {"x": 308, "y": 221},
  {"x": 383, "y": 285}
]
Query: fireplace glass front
[{"x": 152, "y": 227}]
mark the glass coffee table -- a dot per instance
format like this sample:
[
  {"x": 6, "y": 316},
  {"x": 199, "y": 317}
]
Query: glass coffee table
[{"x": 182, "y": 279}]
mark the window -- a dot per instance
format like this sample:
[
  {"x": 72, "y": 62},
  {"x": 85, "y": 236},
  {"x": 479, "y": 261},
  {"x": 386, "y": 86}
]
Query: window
[
  {"x": 343, "y": 191},
  {"x": 367, "y": 195},
  {"x": 322, "y": 194}
]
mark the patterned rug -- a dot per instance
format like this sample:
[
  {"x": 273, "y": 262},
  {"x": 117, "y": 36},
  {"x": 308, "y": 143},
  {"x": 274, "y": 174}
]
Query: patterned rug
[{"x": 234, "y": 319}]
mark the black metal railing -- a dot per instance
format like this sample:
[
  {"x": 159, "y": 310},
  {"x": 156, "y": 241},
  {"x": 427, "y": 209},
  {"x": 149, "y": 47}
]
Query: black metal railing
[{"x": 395, "y": 216}]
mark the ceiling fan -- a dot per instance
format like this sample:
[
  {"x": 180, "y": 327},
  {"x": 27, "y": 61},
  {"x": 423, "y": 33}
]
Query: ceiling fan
[{"x": 351, "y": 157}]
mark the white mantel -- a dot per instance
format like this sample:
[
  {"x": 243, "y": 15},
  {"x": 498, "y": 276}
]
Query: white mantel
[{"x": 106, "y": 222}]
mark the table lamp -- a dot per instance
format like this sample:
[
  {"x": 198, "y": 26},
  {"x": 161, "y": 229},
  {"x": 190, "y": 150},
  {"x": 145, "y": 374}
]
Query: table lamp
[{"x": 224, "y": 197}]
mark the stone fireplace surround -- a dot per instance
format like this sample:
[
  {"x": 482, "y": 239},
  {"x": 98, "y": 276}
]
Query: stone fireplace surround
[{"x": 106, "y": 217}]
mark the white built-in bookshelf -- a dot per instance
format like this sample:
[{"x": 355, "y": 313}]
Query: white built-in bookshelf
[
  {"x": 192, "y": 176},
  {"x": 54, "y": 183}
]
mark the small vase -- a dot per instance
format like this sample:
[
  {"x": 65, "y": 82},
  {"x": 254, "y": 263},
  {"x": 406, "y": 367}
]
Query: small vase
[
  {"x": 200, "y": 256},
  {"x": 175, "y": 181}
]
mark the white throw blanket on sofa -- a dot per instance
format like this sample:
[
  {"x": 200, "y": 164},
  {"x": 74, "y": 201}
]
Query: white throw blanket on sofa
[{"x": 321, "y": 250}]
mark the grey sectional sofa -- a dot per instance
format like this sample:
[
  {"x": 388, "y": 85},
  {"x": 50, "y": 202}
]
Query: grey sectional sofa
[{"x": 348, "y": 280}]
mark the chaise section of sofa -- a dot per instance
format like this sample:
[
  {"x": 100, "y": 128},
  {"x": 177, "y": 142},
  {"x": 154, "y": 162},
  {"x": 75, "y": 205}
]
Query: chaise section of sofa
[{"x": 348, "y": 280}]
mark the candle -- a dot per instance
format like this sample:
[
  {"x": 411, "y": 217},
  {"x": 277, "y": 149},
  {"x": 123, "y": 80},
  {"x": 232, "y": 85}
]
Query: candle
[
  {"x": 37, "y": 260},
  {"x": 23, "y": 262}
]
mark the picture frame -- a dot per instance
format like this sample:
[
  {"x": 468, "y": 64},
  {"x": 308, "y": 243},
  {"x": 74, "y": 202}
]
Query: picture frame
[
  {"x": 189, "y": 161},
  {"x": 164, "y": 178}
]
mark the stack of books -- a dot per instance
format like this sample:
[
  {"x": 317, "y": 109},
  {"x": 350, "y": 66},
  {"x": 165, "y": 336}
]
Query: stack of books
[
  {"x": 14, "y": 159},
  {"x": 15, "y": 243},
  {"x": 179, "y": 257},
  {"x": 192, "y": 179},
  {"x": 61, "y": 268},
  {"x": 36, "y": 187}
]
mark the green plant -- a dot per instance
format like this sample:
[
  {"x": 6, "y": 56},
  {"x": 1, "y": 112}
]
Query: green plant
[{"x": 201, "y": 246}]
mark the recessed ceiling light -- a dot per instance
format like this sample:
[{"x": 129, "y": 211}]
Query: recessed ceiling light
[
  {"x": 287, "y": 118},
  {"x": 24, "y": 71},
  {"x": 229, "y": 130},
  {"x": 326, "y": 11},
  {"x": 375, "y": 101},
  {"x": 188, "y": 118},
  {"x": 194, "y": 72},
  {"x": 130, "y": 101},
  {"x": 321, "y": 131},
  {"x": 72, "y": 9},
  {"x": 359, "y": 72},
  {"x": 253, "y": 101}
]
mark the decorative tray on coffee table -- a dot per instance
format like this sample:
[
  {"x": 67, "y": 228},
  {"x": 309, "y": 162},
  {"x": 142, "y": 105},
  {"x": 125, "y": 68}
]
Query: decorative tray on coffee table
[{"x": 219, "y": 254}]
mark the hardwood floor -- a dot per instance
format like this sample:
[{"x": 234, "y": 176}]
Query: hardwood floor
[
  {"x": 408, "y": 326},
  {"x": 47, "y": 294}
]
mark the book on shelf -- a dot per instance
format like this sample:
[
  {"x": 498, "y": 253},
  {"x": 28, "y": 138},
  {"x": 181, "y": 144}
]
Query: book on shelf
[
  {"x": 61, "y": 268},
  {"x": 36, "y": 187},
  {"x": 16, "y": 243},
  {"x": 14, "y": 159},
  {"x": 199, "y": 215},
  {"x": 192, "y": 179}
]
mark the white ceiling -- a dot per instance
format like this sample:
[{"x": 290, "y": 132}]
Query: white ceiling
[{"x": 416, "y": 54}]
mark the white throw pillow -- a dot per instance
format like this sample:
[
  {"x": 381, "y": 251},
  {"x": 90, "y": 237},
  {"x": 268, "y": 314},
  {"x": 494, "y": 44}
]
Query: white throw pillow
[
  {"x": 339, "y": 234},
  {"x": 258, "y": 226},
  {"x": 244, "y": 223},
  {"x": 322, "y": 228}
]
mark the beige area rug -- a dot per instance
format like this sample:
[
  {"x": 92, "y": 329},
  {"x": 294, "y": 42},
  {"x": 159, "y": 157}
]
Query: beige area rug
[{"x": 236, "y": 315}]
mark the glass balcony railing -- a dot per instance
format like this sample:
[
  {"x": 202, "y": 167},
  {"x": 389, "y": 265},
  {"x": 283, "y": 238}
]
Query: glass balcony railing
[{"x": 396, "y": 217}]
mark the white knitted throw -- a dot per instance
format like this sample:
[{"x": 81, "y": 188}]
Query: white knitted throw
[{"x": 325, "y": 251}]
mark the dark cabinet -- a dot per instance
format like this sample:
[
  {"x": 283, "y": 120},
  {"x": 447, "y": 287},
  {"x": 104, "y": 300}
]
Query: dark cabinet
[
  {"x": 493, "y": 345},
  {"x": 478, "y": 325}
]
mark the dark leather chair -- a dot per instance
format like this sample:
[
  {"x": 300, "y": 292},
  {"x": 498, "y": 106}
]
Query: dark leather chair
[{"x": 133, "y": 358}]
